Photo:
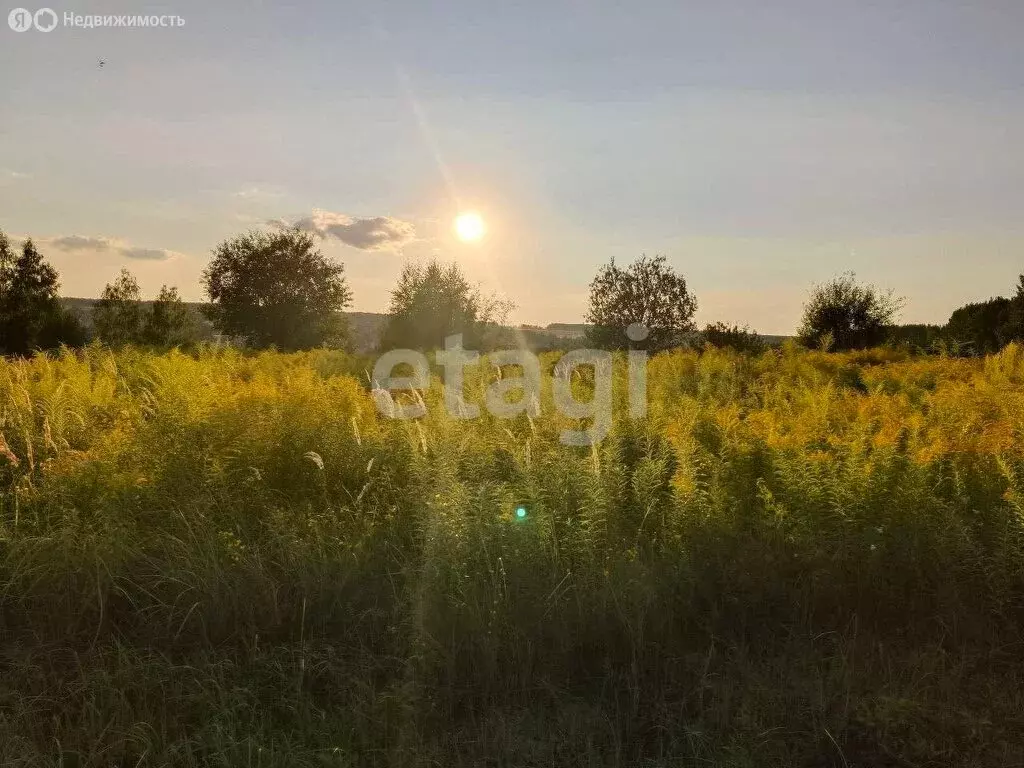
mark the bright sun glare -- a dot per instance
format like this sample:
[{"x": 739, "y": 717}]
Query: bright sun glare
[{"x": 469, "y": 227}]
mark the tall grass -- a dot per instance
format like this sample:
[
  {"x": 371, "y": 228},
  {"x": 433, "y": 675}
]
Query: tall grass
[{"x": 794, "y": 559}]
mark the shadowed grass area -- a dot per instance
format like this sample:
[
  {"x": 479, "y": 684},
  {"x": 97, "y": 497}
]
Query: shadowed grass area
[{"x": 796, "y": 559}]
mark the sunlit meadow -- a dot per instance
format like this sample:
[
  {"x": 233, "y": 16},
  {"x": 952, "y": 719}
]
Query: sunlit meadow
[{"x": 796, "y": 559}]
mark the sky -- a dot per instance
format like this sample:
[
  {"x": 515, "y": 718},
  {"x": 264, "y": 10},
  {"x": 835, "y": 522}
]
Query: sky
[{"x": 760, "y": 147}]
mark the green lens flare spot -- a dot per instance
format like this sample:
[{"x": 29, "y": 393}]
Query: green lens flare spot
[{"x": 520, "y": 512}]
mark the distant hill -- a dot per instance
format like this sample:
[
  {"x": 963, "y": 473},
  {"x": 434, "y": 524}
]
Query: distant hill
[
  {"x": 567, "y": 330},
  {"x": 83, "y": 309},
  {"x": 366, "y": 328}
]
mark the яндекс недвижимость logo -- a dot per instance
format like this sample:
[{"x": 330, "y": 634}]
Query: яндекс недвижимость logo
[
  {"x": 46, "y": 19},
  {"x": 22, "y": 19}
]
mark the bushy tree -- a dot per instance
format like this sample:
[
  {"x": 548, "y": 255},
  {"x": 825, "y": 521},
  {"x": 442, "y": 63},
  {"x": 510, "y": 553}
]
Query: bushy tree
[
  {"x": 648, "y": 293},
  {"x": 117, "y": 317},
  {"x": 435, "y": 300},
  {"x": 742, "y": 339},
  {"x": 30, "y": 300},
  {"x": 31, "y": 315},
  {"x": 842, "y": 314},
  {"x": 277, "y": 288},
  {"x": 168, "y": 322}
]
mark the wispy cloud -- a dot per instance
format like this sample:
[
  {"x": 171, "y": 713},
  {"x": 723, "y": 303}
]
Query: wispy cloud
[
  {"x": 258, "y": 193},
  {"x": 376, "y": 233},
  {"x": 154, "y": 254},
  {"x": 76, "y": 243},
  {"x": 82, "y": 243}
]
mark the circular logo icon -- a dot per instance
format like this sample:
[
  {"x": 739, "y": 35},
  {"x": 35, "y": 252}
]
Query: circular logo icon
[
  {"x": 19, "y": 20},
  {"x": 45, "y": 19},
  {"x": 637, "y": 331}
]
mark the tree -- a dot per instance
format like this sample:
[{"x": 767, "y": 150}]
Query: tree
[
  {"x": 1015, "y": 321},
  {"x": 648, "y": 293},
  {"x": 843, "y": 314},
  {"x": 168, "y": 323},
  {"x": 117, "y": 317},
  {"x": 120, "y": 316},
  {"x": 7, "y": 260},
  {"x": 434, "y": 300},
  {"x": 277, "y": 288},
  {"x": 983, "y": 327},
  {"x": 921, "y": 337},
  {"x": 733, "y": 337},
  {"x": 61, "y": 327},
  {"x": 31, "y": 315}
]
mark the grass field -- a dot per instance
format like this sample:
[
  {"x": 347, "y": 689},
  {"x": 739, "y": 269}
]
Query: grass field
[{"x": 799, "y": 559}]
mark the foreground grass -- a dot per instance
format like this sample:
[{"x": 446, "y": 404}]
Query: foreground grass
[{"x": 794, "y": 560}]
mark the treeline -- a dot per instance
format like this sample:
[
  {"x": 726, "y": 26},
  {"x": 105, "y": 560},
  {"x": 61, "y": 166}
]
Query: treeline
[
  {"x": 979, "y": 328},
  {"x": 31, "y": 315},
  {"x": 276, "y": 289},
  {"x": 840, "y": 314},
  {"x": 266, "y": 290}
]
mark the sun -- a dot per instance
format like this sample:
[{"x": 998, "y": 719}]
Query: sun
[{"x": 469, "y": 227}]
